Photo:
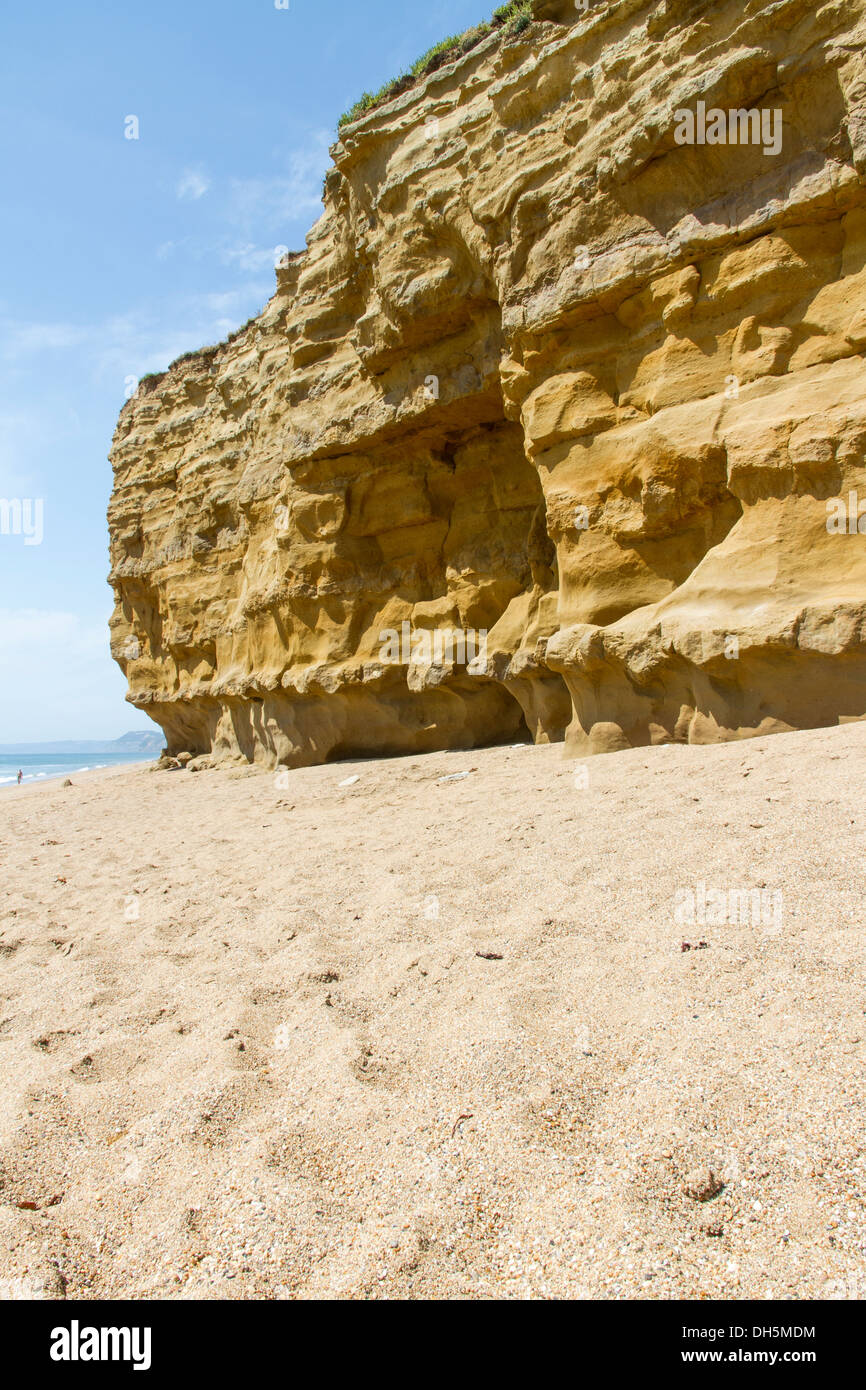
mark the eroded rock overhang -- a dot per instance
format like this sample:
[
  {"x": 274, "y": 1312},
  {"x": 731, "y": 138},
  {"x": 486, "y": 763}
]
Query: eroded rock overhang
[{"x": 543, "y": 373}]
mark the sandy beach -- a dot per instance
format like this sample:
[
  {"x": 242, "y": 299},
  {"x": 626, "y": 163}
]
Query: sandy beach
[{"x": 271, "y": 1037}]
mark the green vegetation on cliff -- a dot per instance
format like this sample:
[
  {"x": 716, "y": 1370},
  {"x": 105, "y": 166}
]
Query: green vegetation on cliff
[{"x": 513, "y": 18}]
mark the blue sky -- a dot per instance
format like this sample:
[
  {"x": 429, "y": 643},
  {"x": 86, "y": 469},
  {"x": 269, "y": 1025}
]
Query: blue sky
[{"x": 118, "y": 254}]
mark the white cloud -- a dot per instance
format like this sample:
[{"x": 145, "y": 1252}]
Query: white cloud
[
  {"x": 258, "y": 216},
  {"x": 20, "y": 339},
  {"x": 27, "y": 436},
  {"x": 247, "y": 256},
  {"x": 281, "y": 198},
  {"x": 62, "y": 681},
  {"x": 194, "y": 184},
  {"x": 131, "y": 344},
  {"x": 36, "y": 630},
  {"x": 234, "y": 300}
]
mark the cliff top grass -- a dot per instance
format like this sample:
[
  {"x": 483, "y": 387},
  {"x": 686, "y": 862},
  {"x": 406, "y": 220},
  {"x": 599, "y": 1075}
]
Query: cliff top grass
[
  {"x": 513, "y": 18},
  {"x": 198, "y": 354}
]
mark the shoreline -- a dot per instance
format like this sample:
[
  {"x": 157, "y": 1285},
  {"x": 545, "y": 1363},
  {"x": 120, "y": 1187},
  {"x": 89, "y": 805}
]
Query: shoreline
[{"x": 85, "y": 772}]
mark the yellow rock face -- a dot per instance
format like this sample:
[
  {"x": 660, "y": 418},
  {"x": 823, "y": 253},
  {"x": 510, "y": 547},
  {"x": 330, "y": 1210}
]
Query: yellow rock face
[{"x": 557, "y": 423}]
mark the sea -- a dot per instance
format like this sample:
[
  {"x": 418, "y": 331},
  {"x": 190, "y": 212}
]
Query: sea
[{"x": 39, "y": 767}]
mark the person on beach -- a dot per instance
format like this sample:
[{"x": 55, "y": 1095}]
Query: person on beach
[{"x": 20, "y": 777}]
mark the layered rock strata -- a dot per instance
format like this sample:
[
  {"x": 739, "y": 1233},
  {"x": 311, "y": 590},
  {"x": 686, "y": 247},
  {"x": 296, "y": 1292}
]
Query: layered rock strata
[{"x": 544, "y": 373}]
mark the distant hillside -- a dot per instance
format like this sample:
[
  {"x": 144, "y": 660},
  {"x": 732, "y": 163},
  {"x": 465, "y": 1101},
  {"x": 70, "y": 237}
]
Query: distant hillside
[
  {"x": 137, "y": 741},
  {"x": 140, "y": 740}
]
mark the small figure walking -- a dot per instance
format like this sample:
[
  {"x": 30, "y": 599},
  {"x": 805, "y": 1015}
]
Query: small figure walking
[{"x": 20, "y": 777}]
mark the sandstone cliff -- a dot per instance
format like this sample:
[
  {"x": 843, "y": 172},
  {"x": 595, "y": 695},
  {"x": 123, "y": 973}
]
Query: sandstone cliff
[{"x": 542, "y": 372}]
